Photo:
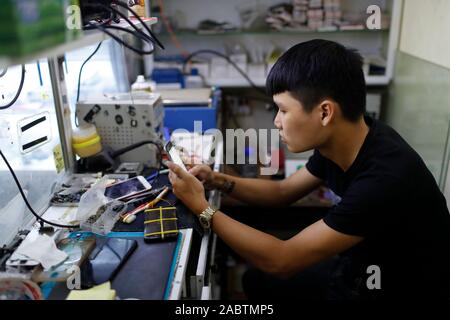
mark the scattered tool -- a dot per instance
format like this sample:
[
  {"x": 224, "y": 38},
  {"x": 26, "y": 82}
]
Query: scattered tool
[{"x": 129, "y": 217}]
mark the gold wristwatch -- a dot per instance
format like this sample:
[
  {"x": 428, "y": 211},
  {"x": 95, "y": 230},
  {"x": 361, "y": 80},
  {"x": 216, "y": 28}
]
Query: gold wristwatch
[{"x": 206, "y": 216}]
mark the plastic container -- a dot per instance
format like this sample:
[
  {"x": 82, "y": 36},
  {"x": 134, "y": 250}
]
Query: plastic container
[
  {"x": 143, "y": 85},
  {"x": 103, "y": 221},
  {"x": 85, "y": 141}
]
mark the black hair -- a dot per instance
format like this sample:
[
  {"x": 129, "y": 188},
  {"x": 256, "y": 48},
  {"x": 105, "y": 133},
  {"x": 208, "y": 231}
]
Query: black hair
[{"x": 319, "y": 69}]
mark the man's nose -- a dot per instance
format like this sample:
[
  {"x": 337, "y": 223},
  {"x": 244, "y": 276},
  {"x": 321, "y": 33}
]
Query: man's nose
[{"x": 277, "y": 121}]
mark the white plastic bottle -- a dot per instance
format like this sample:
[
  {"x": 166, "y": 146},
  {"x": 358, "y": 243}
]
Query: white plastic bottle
[{"x": 143, "y": 85}]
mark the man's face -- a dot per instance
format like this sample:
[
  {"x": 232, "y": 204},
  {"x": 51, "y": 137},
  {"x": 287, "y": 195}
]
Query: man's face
[{"x": 299, "y": 130}]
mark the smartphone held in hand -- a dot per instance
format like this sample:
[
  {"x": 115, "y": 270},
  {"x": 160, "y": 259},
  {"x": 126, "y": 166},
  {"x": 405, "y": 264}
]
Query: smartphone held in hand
[{"x": 174, "y": 155}]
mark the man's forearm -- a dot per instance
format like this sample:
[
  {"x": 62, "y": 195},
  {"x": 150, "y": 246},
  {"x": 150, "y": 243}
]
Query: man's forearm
[
  {"x": 259, "y": 192},
  {"x": 262, "y": 250}
]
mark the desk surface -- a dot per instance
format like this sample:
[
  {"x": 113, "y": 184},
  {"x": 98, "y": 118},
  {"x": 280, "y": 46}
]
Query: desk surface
[
  {"x": 147, "y": 274},
  {"x": 141, "y": 276}
]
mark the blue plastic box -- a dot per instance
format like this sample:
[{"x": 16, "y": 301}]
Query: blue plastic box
[{"x": 184, "y": 116}]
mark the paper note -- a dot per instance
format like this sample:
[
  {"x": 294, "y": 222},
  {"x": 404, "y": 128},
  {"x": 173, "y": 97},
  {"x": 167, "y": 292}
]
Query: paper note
[{"x": 100, "y": 292}]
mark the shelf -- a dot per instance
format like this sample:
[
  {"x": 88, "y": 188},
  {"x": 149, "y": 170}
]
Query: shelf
[
  {"x": 261, "y": 82},
  {"x": 189, "y": 32},
  {"x": 89, "y": 38}
]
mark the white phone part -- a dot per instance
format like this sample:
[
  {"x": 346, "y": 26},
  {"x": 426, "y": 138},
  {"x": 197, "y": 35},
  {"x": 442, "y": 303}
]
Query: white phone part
[
  {"x": 174, "y": 155},
  {"x": 126, "y": 188}
]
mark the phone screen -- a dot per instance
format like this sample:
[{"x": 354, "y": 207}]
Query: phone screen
[
  {"x": 108, "y": 257},
  {"x": 121, "y": 189},
  {"x": 174, "y": 155}
]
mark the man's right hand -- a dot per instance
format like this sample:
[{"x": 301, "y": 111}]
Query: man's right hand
[{"x": 205, "y": 174}]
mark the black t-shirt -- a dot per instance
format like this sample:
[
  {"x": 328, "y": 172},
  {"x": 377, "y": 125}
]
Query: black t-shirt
[{"x": 389, "y": 197}]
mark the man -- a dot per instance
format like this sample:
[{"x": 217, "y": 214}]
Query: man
[{"x": 391, "y": 228}]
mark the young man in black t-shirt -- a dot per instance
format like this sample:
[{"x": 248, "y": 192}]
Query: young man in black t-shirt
[{"x": 388, "y": 237}]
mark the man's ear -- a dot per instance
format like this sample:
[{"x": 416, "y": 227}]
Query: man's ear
[{"x": 327, "y": 111}]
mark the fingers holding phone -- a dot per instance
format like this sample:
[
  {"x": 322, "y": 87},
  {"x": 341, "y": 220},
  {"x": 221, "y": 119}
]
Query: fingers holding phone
[
  {"x": 174, "y": 155},
  {"x": 204, "y": 173},
  {"x": 187, "y": 188}
]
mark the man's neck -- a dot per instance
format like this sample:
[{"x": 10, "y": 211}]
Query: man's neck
[{"x": 344, "y": 146}]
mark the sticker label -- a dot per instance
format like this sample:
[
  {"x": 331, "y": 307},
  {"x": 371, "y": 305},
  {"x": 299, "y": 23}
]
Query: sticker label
[
  {"x": 58, "y": 157},
  {"x": 34, "y": 132}
]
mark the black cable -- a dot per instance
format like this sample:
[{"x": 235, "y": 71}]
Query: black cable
[
  {"x": 3, "y": 72},
  {"x": 115, "y": 11},
  {"x": 124, "y": 17},
  {"x": 138, "y": 51},
  {"x": 119, "y": 152},
  {"x": 76, "y": 120},
  {"x": 39, "y": 218},
  {"x": 223, "y": 56},
  {"x": 79, "y": 78},
  {"x": 134, "y": 33},
  {"x": 22, "y": 80},
  {"x": 103, "y": 23},
  {"x": 148, "y": 38},
  {"x": 81, "y": 69},
  {"x": 124, "y": 5},
  {"x": 96, "y": 50}
]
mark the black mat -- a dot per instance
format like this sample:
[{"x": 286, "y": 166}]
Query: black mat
[
  {"x": 186, "y": 219},
  {"x": 146, "y": 273}
]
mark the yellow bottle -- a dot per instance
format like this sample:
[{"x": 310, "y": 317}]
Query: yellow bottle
[{"x": 85, "y": 141}]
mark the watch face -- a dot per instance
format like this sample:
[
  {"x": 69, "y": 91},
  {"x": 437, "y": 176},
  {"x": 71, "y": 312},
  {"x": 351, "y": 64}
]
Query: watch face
[{"x": 204, "y": 222}]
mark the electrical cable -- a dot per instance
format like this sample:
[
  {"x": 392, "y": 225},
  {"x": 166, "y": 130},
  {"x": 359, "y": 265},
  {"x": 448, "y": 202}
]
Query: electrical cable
[
  {"x": 79, "y": 78},
  {"x": 139, "y": 35},
  {"x": 38, "y": 65},
  {"x": 150, "y": 38},
  {"x": 19, "y": 91},
  {"x": 138, "y": 51},
  {"x": 39, "y": 218},
  {"x": 124, "y": 5},
  {"x": 130, "y": 23},
  {"x": 134, "y": 33},
  {"x": 126, "y": 18},
  {"x": 119, "y": 152},
  {"x": 3, "y": 72},
  {"x": 103, "y": 23},
  {"x": 103, "y": 28},
  {"x": 81, "y": 69},
  {"x": 223, "y": 56}
]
